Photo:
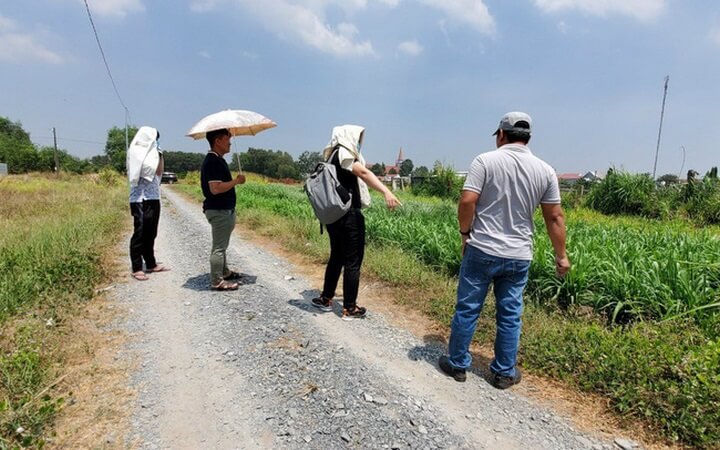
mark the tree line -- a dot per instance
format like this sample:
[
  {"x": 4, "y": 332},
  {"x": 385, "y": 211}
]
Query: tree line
[{"x": 22, "y": 156}]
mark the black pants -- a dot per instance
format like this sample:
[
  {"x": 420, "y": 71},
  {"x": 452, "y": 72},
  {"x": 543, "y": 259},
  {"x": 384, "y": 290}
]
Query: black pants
[
  {"x": 347, "y": 249},
  {"x": 146, "y": 216}
]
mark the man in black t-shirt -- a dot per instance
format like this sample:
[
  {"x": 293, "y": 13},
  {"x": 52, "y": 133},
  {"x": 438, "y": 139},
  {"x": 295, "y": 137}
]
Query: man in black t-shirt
[{"x": 218, "y": 187}]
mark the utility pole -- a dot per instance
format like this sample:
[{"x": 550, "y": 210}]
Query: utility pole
[
  {"x": 662, "y": 114},
  {"x": 57, "y": 165}
]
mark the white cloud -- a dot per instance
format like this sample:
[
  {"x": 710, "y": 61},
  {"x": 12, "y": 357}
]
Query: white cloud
[
  {"x": 6, "y": 24},
  {"x": 473, "y": 12},
  {"x": 347, "y": 29},
  {"x": 714, "y": 35},
  {"x": 204, "y": 54},
  {"x": 16, "y": 47},
  {"x": 115, "y": 8},
  {"x": 639, "y": 9},
  {"x": 201, "y": 6},
  {"x": 306, "y": 21},
  {"x": 410, "y": 48}
]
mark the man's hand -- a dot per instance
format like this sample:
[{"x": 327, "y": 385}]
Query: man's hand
[
  {"x": 562, "y": 266},
  {"x": 240, "y": 179}
]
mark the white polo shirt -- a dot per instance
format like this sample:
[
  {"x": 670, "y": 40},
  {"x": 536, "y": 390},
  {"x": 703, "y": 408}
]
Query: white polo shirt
[{"x": 512, "y": 182}]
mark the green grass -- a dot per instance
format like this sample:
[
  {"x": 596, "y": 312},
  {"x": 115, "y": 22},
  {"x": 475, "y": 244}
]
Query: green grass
[
  {"x": 636, "y": 320},
  {"x": 56, "y": 233}
]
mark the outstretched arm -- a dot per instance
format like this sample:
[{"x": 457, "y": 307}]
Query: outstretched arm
[
  {"x": 555, "y": 223},
  {"x": 371, "y": 180}
]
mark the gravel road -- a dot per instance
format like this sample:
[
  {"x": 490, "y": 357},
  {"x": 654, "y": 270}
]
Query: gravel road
[{"x": 261, "y": 368}]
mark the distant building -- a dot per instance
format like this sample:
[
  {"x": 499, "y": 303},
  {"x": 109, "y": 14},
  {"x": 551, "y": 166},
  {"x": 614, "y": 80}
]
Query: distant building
[
  {"x": 572, "y": 178},
  {"x": 391, "y": 170},
  {"x": 3, "y": 169}
]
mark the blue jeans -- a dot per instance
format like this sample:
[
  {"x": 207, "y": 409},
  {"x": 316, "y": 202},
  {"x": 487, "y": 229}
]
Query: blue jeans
[{"x": 509, "y": 277}]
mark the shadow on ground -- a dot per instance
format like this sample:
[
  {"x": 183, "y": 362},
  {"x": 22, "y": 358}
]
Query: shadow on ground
[
  {"x": 202, "y": 282},
  {"x": 435, "y": 346},
  {"x": 305, "y": 303}
]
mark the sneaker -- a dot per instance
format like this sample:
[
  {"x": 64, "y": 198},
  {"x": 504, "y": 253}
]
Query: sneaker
[
  {"x": 503, "y": 382},
  {"x": 357, "y": 312},
  {"x": 322, "y": 303},
  {"x": 459, "y": 375}
]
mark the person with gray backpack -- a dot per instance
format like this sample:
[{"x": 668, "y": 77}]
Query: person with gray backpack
[{"x": 347, "y": 230}]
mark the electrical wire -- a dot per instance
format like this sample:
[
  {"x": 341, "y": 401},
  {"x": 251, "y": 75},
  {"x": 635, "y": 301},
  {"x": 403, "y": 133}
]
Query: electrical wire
[
  {"x": 87, "y": 7},
  {"x": 69, "y": 140}
]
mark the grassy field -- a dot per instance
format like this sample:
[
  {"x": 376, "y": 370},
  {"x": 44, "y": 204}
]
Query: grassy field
[
  {"x": 636, "y": 320},
  {"x": 56, "y": 235}
]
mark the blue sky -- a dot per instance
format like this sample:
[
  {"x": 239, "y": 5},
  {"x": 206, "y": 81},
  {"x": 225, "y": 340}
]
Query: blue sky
[{"x": 430, "y": 76}]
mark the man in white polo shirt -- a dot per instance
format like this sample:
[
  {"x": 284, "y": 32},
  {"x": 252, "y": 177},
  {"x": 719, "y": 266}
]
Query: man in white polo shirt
[{"x": 495, "y": 213}]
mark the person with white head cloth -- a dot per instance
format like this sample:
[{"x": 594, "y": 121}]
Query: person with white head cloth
[
  {"x": 495, "y": 214},
  {"x": 145, "y": 165},
  {"x": 347, "y": 235}
]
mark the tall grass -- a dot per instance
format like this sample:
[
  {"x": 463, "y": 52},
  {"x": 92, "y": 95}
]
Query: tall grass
[
  {"x": 634, "y": 270},
  {"x": 55, "y": 234}
]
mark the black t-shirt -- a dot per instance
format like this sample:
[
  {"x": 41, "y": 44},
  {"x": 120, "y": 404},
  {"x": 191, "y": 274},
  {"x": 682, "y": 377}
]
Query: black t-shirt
[
  {"x": 348, "y": 181},
  {"x": 214, "y": 168}
]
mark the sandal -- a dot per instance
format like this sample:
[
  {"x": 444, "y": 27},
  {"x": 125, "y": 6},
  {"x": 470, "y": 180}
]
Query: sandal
[
  {"x": 225, "y": 286},
  {"x": 159, "y": 268},
  {"x": 232, "y": 275},
  {"x": 140, "y": 276}
]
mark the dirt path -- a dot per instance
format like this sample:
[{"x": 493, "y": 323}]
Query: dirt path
[{"x": 261, "y": 368}]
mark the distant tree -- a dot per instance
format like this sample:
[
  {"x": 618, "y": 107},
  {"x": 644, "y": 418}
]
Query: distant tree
[
  {"x": 182, "y": 162},
  {"x": 307, "y": 161},
  {"x": 406, "y": 168},
  {"x": 16, "y": 149},
  {"x": 669, "y": 178},
  {"x": 378, "y": 169},
  {"x": 115, "y": 147},
  {"x": 14, "y": 131},
  {"x": 274, "y": 164},
  {"x": 97, "y": 162},
  {"x": 392, "y": 171},
  {"x": 421, "y": 171}
]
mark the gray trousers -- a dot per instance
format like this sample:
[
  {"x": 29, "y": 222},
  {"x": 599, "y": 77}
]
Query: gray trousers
[{"x": 222, "y": 222}]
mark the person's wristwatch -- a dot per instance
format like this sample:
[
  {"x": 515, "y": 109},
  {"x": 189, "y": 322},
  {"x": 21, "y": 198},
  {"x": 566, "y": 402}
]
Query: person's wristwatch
[{"x": 465, "y": 233}]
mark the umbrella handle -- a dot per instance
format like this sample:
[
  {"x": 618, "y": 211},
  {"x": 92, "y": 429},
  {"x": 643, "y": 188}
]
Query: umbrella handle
[{"x": 237, "y": 155}]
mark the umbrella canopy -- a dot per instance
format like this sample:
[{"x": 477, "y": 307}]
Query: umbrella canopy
[{"x": 238, "y": 121}]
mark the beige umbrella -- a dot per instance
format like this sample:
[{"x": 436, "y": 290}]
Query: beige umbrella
[{"x": 238, "y": 121}]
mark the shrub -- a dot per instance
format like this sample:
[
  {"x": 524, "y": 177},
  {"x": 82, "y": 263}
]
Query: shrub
[
  {"x": 443, "y": 183},
  {"x": 625, "y": 193}
]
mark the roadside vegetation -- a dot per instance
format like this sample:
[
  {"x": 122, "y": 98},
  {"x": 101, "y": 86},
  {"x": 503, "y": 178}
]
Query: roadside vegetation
[
  {"x": 636, "y": 320},
  {"x": 56, "y": 236}
]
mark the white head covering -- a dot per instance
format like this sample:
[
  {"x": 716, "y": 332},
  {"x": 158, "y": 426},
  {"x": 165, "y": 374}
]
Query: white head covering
[
  {"x": 142, "y": 156},
  {"x": 350, "y": 137}
]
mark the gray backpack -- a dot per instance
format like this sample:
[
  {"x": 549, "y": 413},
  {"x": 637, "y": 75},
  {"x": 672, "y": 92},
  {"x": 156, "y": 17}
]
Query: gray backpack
[{"x": 329, "y": 199}]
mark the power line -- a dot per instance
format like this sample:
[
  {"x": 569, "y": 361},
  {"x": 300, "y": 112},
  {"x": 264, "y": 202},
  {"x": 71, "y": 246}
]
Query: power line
[
  {"x": 127, "y": 113},
  {"x": 69, "y": 140}
]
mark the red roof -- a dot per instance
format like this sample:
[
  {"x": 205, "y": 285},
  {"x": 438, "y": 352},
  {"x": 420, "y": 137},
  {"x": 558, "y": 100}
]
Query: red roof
[{"x": 569, "y": 176}]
